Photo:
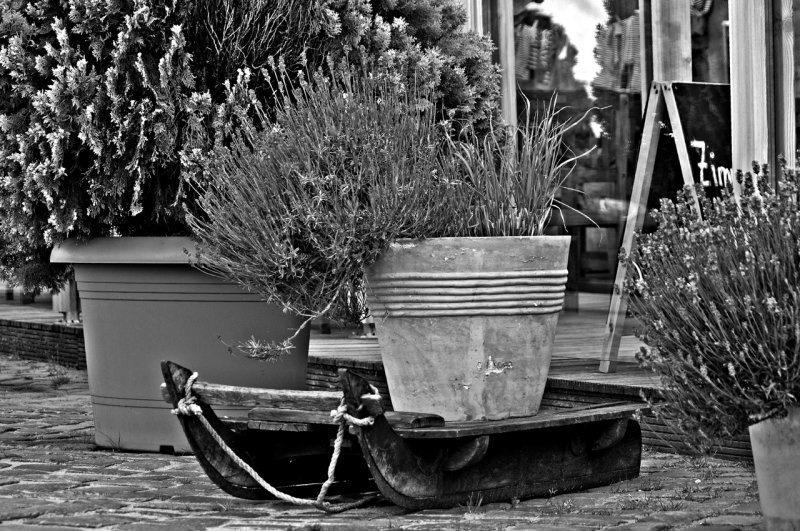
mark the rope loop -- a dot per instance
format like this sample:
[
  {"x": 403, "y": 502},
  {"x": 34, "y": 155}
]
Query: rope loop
[{"x": 188, "y": 406}]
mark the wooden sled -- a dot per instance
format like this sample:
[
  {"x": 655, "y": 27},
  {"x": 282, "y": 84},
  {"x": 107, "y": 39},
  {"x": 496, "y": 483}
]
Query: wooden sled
[
  {"x": 417, "y": 461},
  {"x": 292, "y": 456}
]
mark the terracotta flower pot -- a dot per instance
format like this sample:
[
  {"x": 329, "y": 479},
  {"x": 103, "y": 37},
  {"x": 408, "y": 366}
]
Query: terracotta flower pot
[
  {"x": 142, "y": 303},
  {"x": 776, "y": 453},
  {"x": 466, "y": 325}
]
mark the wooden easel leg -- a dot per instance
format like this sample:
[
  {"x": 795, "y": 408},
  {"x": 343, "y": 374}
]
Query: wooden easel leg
[{"x": 636, "y": 212}]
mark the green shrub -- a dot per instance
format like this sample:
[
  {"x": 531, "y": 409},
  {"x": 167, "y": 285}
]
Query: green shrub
[
  {"x": 106, "y": 107},
  {"x": 719, "y": 300},
  {"x": 90, "y": 123},
  {"x": 422, "y": 40}
]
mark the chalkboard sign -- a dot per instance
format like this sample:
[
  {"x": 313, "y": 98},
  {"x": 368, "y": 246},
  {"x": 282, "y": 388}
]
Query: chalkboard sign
[
  {"x": 704, "y": 114},
  {"x": 695, "y": 128}
]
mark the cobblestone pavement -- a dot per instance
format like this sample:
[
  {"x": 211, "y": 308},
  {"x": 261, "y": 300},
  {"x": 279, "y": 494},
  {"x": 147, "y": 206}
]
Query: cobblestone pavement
[{"x": 53, "y": 477}]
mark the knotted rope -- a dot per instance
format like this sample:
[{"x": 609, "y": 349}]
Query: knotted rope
[{"x": 188, "y": 406}]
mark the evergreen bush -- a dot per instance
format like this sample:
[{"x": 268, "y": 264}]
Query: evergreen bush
[{"x": 105, "y": 106}]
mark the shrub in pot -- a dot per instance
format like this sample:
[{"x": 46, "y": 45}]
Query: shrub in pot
[
  {"x": 355, "y": 167},
  {"x": 96, "y": 107},
  {"x": 719, "y": 301}
]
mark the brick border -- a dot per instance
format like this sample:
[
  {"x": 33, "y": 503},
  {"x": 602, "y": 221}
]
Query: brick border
[{"x": 47, "y": 342}]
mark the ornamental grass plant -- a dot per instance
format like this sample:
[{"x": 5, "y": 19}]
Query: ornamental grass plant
[
  {"x": 719, "y": 301},
  {"x": 305, "y": 198}
]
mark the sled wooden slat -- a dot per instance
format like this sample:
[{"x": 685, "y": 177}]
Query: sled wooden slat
[{"x": 545, "y": 419}]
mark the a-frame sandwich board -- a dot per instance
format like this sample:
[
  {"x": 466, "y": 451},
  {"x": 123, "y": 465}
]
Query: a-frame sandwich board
[{"x": 661, "y": 99}]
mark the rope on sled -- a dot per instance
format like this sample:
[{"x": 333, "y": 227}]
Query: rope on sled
[{"x": 188, "y": 406}]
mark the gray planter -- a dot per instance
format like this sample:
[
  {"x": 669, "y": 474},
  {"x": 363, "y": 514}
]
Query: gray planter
[
  {"x": 142, "y": 303},
  {"x": 776, "y": 454}
]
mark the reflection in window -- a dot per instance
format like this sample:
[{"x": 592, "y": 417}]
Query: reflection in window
[{"x": 586, "y": 52}]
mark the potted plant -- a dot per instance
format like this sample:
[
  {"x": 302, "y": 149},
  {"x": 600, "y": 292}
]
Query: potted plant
[
  {"x": 719, "y": 303},
  {"x": 322, "y": 199},
  {"x": 103, "y": 115},
  {"x": 98, "y": 106}
]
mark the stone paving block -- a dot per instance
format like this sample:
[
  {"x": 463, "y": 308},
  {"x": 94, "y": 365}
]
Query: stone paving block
[
  {"x": 113, "y": 490},
  {"x": 18, "y": 509},
  {"x": 737, "y": 520},
  {"x": 538, "y": 526},
  {"x": 140, "y": 465},
  {"x": 50, "y": 487},
  {"x": 39, "y": 467},
  {"x": 93, "y": 471},
  {"x": 14, "y": 473},
  {"x": 86, "y": 521},
  {"x": 24, "y": 526},
  {"x": 746, "y": 508},
  {"x": 182, "y": 524},
  {"x": 642, "y": 526},
  {"x": 95, "y": 460}
]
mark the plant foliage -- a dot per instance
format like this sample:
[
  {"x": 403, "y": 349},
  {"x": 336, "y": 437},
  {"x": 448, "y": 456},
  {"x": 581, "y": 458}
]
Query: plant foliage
[
  {"x": 516, "y": 173},
  {"x": 299, "y": 202},
  {"x": 90, "y": 113},
  {"x": 105, "y": 105},
  {"x": 303, "y": 199},
  {"x": 719, "y": 299}
]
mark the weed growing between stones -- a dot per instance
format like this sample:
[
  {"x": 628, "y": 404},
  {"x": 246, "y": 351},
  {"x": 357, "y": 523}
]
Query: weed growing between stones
[
  {"x": 648, "y": 503},
  {"x": 58, "y": 374},
  {"x": 474, "y": 509},
  {"x": 555, "y": 507},
  {"x": 647, "y": 485}
]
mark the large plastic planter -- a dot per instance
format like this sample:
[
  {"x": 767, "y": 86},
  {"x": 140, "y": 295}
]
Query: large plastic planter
[{"x": 142, "y": 302}]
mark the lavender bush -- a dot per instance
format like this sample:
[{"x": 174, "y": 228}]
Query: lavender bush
[
  {"x": 299, "y": 203},
  {"x": 305, "y": 198},
  {"x": 719, "y": 298}
]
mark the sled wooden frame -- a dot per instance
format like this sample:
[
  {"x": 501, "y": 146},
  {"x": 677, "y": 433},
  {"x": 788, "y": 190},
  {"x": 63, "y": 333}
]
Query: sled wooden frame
[{"x": 416, "y": 461}]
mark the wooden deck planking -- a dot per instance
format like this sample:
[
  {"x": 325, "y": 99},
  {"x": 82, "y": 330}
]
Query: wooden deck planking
[{"x": 576, "y": 352}]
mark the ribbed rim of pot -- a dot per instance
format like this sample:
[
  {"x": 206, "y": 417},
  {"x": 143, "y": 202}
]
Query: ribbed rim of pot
[{"x": 127, "y": 250}]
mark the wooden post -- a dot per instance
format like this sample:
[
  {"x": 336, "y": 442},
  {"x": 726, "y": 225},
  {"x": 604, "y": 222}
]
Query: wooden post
[
  {"x": 762, "y": 82},
  {"x": 645, "y": 48},
  {"x": 783, "y": 63},
  {"x": 66, "y": 302},
  {"x": 474, "y": 15},
  {"x": 505, "y": 45},
  {"x": 750, "y": 102},
  {"x": 672, "y": 40}
]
